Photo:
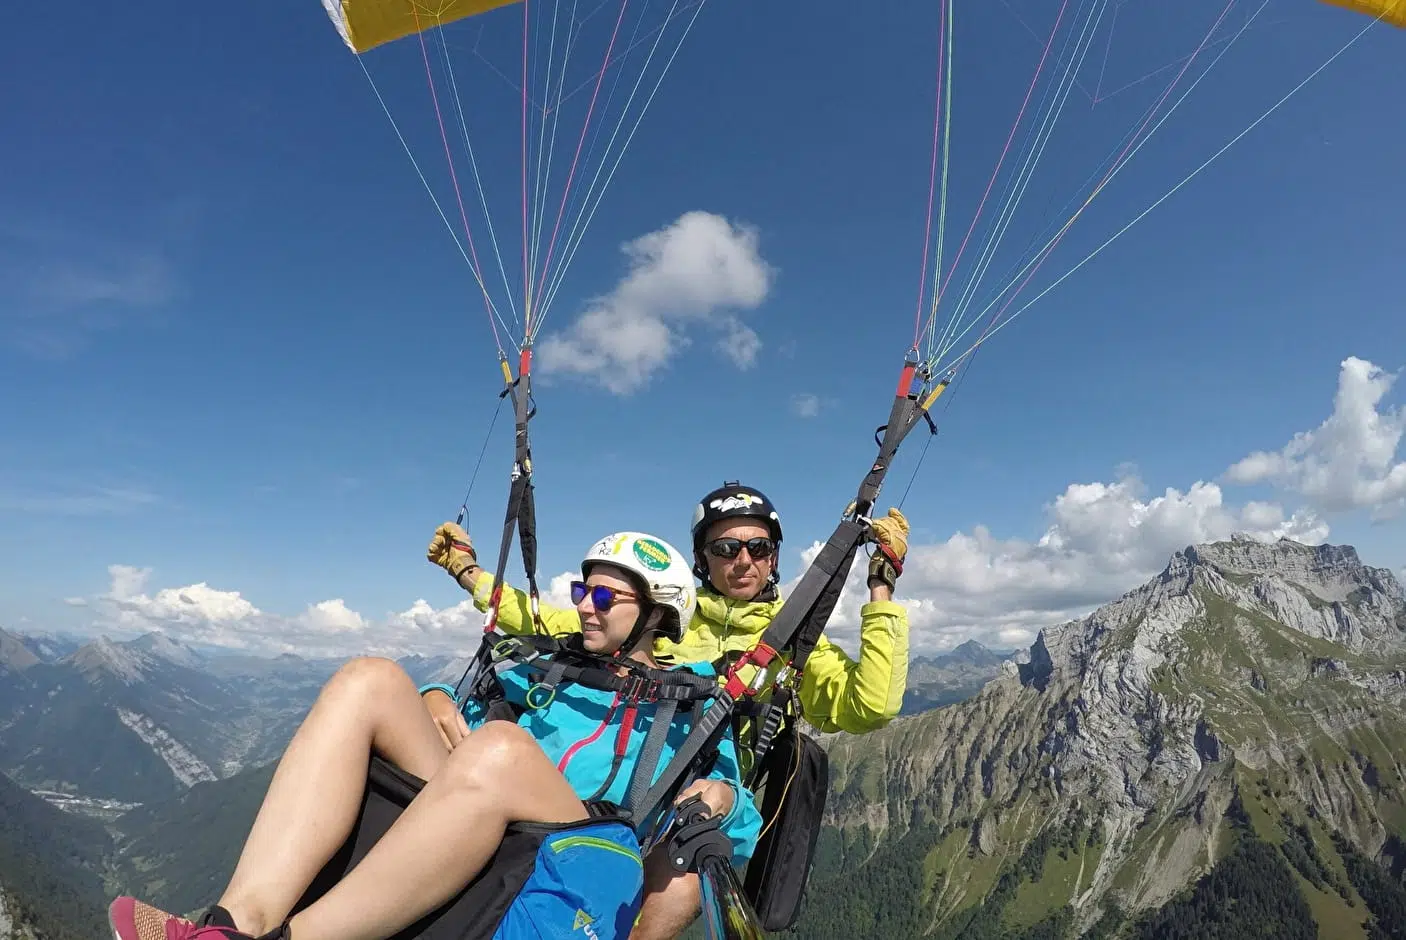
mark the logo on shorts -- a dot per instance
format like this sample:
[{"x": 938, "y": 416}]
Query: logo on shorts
[
  {"x": 651, "y": 554},
  {"x": 583, "y": 922}
]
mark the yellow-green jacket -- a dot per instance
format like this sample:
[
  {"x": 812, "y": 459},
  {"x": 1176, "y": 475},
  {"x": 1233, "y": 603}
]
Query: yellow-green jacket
[{"x": 837, "y": 693}]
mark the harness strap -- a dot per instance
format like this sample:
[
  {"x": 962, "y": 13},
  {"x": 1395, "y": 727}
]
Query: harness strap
[
  {"x": 649, "y": 754},
  {"x": 640, "y": 682}
]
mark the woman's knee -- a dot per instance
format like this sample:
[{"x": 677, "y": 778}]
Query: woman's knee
[
  {"x": 492, "y": 756},
  {"x": 368, "y": 677}
]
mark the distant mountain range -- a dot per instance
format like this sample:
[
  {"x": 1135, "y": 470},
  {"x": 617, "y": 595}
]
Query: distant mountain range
[
  {"x": 114, "y": 723},
  {"x": 947, "y": 678}
]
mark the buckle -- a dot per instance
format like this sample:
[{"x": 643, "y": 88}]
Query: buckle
[{"x": 640, "y": 689}]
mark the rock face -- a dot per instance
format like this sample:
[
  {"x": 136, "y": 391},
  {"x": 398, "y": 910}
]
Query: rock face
[{"x": 1269, "y": 671}]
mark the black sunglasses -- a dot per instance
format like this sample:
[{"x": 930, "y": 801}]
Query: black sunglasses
[
  {"x": 728, "y": 547},
  {"x": 602, "y": 597}
]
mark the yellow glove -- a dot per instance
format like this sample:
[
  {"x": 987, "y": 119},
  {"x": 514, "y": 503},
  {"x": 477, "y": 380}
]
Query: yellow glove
[
  {"x": 452, "y": 550},
  {"x": 892, "y": 532}
]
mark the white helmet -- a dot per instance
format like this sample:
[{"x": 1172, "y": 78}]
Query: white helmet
[{"x": 667, "y": 575}]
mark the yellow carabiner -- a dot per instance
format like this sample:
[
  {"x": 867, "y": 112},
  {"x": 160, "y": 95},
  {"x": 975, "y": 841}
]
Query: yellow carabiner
[{"x": 531, "y": 692}]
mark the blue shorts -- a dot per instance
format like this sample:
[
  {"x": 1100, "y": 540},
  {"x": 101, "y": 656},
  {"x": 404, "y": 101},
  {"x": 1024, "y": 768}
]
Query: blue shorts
[{"x": 587, "y": 883}]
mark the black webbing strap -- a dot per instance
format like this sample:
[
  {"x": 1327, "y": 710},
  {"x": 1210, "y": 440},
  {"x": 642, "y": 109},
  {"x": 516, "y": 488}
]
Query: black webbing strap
[
  {"x": 639, "y": 682},
  {"x": 521, "y": 513},
  {"x": 649, "y": 754},
  {"x": 802, "y": 618},
  {"x": 699, "y": 747}
]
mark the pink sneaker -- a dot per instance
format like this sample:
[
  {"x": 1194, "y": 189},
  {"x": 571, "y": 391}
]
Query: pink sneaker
[{"x": 135, "y": 920}]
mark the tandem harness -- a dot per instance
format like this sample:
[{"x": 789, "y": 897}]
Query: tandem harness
[{"x": 789, "y": 764}]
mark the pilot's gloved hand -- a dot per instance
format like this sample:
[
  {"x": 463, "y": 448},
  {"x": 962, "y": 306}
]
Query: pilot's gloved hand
[{"x": 452, "y": 550}]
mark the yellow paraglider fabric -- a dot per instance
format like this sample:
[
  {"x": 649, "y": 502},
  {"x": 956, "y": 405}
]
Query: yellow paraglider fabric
[
  {"x": 1390, "y": 11},
  {"x": 365, "y": 24}
]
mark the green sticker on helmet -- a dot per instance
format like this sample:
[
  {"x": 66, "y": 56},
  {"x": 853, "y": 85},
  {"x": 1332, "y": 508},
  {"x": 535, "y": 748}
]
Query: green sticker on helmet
[{"x": 651, "y": 554}]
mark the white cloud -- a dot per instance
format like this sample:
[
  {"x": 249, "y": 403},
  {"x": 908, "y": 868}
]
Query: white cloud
[
  {"x": 805, "y": 405},
  {"x": 741, "y": 344},
  {"x": 1101, "y": 540},
  {"x": 332, "y": 617},
  {"x": 201, "y": 614},
  {"x": 192, "y": 604},
  {"x": 1347, "y": 462},
  {"x": 696, "y": 272}
]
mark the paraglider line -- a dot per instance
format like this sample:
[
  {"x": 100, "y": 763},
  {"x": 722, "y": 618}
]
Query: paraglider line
[
  {"x": 1155, "y": 72},
  {"x": 1119, "y": 162},
  {"x": 571, "y": 174},
  {"x": 944, "y": 342},
  {"x": 526, "y": 271},
  {"x": 1190, "y": 176},
  {"x": 482, "y": 450},
  {"x": 1036, "y": 36},
  {"x": 1005, "y": 150},
  {"x": 478, "y": 179},
  {"x": 1107, "y": 49},
  {"x": 543, "y": 179},
  {"x": 454, "y": 179},
  {"x": 1115, "y": 166},
  {"x": 932, "y": 172},
  {"x": 1015, "y": 195},
  {"x": 571, "y": 253},
  {"x": 578, "y": 197},
  {"x": 433, "y": 199},
  {"x": 946, "y": 170},
  {"x": 634, "y": 44}
]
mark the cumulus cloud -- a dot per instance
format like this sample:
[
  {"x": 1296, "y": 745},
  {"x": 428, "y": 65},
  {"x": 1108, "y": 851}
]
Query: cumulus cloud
[
  {"x": 1350, "y": 460},
  {"x": 1101, "y": 540},
  {"x": 805, "y": 405},
  {"x": 210, "y": 616},
  {"x": 696, "y": 273}
]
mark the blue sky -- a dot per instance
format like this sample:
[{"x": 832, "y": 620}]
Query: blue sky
[{"x": 240, "y": 349}]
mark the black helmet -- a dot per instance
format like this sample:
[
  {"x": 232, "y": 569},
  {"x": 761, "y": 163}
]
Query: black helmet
[{"x": 730, "y": 501}]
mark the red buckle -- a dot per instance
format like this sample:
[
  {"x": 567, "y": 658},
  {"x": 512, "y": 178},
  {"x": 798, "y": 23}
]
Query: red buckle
[{"x": 760, "y": 655}]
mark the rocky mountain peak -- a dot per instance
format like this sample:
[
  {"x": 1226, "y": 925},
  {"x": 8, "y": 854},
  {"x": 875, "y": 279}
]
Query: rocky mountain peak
[
  {"x": 104, "y": 657},
  {"x": 14, "y": 655},
  {"x": 163, "y": 646},
  {"x": 1321, "y": 591}
]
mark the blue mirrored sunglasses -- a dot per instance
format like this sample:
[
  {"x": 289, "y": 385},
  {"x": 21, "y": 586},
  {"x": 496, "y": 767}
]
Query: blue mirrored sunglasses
[{"x": 602, "y": 597}]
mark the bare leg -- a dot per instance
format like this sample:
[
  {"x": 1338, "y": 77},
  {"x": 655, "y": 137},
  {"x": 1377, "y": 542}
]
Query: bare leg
[
  {"x": 311, "y": 805},
  {"x": 672, "y": 900},
  {"x": 498, "y": 775}
]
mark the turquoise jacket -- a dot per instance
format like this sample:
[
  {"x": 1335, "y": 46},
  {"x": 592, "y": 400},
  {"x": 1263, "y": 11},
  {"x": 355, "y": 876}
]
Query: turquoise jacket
[{"x": 580, "y": 727}]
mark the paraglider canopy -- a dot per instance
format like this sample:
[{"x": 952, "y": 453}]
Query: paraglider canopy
[
  {"x": 366, "y": 24},
  {"x": 1388, "y": 11}
]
